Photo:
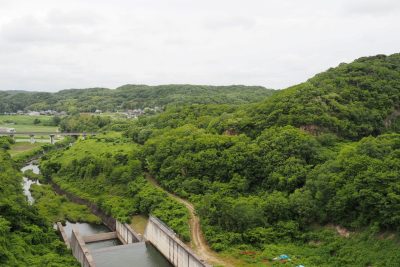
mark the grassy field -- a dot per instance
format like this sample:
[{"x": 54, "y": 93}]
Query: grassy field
[
  {"x": 22, "y": 123},
  {"x": 30, "y": 128},
  {"x": 25, "y": 119},
  {"x": 22, "y": 147}
]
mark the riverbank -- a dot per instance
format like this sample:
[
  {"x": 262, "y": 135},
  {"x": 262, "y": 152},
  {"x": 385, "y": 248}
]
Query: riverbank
[
  {"x": 25, "y": 237},
  {"x": 53, "y": 207},
  {"x": 23, "y": 147},
  {"x": 106, "y": 173},
  {"x": 60, "y": 206},
  {"x": 108, "y": 220},
  {"x": 56, "y": 207}
]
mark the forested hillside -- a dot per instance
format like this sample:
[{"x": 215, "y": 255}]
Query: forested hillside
[
  {"x": 312, "y": 171},
  {"x": 107, "y": 171},
  {"x": 279, "y": 176},
  {"x": 352, "y": 100},
  {"x": 26, "y": 238},
  {"x": 129, "y": 97}
]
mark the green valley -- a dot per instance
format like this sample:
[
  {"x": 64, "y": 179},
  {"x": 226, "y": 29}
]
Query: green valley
[
  {"x": 27, "y": 239},
  {"x": 244, "y": 175}
]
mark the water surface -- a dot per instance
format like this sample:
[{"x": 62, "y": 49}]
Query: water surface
[
  {"x": 110, "y": 252},
  {"x": 26, "y": 182},
  {"x": 91, "y": 229},
  {"x": 131, "y": 255}
]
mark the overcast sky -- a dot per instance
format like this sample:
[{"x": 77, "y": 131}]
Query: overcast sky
[{"x": 52, "y": 45}]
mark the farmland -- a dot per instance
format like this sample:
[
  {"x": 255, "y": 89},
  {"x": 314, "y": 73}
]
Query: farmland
[{"x": 22, "y": 123}]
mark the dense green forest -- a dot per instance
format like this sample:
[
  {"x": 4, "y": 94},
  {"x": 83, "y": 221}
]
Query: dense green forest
[
  {"x": 107, "y": 171},
  {"x": 313, "y": 154},
  {"x": 312, "y": 171},
  {"x": 352, "y": 100},
  {"x": 129, "y": 97},
  {"x": 26, "y": 237}
]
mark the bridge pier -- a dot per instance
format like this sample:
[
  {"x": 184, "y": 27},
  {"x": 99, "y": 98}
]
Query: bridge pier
[
  {"x": 52, "y": 135},
  {"x": 32, "y": 138},
  {"x": 52, "y": 139}
]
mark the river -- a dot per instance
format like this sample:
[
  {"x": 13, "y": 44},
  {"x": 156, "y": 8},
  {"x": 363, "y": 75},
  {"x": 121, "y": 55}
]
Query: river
[
  {"x": 137, "y": 254},
  {"x": 26, "y": 184},
  {"x": 84, "y": 228}
]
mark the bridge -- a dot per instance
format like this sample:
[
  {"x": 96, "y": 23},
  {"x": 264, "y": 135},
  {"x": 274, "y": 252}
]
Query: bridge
[{"x": 50, "y": 134}]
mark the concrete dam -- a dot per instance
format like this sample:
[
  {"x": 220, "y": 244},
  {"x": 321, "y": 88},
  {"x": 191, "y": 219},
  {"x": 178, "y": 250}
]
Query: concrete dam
[
  {"x": 116, "y": 244},
  {"x": 159, "y": 241}
]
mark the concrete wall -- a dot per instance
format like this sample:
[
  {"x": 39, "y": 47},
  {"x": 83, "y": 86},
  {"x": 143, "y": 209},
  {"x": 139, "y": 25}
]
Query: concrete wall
[
  {"x": 80, "y": 251},
  {"x": 166, "y": 241},
  {"x": 63, "y": 234},
  {"x": 126, "y": 234},
  {"x": 99, "y": 237}
]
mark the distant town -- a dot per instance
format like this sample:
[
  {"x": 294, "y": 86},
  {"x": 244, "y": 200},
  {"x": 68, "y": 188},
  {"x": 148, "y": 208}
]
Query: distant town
[
  {"x": 37, "y": 113},
  {"x": 130, "y": 113}
]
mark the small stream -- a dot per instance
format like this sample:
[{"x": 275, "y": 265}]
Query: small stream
[
  {"x": 83, "y": 228},
  {"x": 137, "y": 254},
  {"x": 26, "y": 184}
]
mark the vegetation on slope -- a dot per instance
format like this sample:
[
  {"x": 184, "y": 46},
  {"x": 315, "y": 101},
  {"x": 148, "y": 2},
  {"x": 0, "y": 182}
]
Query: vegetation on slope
[
  {"x": 254, "y": 194},
  {"x": 22, "y": 148},
  {"x": 26, "y": 239},
  {"x": 261, "y": 175},
  {"x": 312, "y": 171},
  {"x": 108, "y": 172},
  {"x": 360, "y": 186},
  {"x": 352, "y": 100},
  {"x": 130, "y": 97},
  {"x": 202, "y": 116},
  {"x": 56, "y": 208},
  {"x": 84, "y": 123}
]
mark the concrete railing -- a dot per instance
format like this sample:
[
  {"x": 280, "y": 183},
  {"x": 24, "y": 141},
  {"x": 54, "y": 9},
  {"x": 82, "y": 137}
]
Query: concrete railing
[
  {"x": 63, "y": 234},
  {"x": 80, "y": 251},
  {"x": 99, "y": 237},
  {"x": 166, "y": 241},
  {"x": 126, "y": 234}
]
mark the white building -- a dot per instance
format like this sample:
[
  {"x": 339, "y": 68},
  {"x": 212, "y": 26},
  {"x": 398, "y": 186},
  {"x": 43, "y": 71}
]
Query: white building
[{"x": 7, "y": 130}]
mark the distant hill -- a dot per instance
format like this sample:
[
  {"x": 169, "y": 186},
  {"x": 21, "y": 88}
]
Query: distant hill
[
  {"x": 130, "y": 97},
  {"x": 353, "y": 100}
]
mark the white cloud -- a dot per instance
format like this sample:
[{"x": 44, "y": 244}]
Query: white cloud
[
  {"x": 75, "y": 17},
  {"x": 243, "y": 23},
  {"x": 52, "y": 45},
  {"x": 372, "y": 7},
  {"x": 33, "y": 30}
]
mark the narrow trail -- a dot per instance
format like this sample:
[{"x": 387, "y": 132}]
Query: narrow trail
[{"x": 199, "y": 244}]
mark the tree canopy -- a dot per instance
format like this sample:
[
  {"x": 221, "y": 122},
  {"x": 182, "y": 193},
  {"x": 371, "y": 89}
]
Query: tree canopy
[{"x": 129, "y": 97}]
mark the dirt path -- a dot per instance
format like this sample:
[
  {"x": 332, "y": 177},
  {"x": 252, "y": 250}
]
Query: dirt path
[{"x": 198, "y": 242}]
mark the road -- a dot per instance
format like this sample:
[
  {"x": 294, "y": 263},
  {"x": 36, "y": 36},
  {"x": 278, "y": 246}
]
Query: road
[{"x": 198, "y": 243}]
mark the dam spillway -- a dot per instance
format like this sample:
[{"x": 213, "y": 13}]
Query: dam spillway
[
  {"x": 159, "y": 247},
  {"x": 97, "y": 246},
  {"x": 135, "y": 254},
  {"x": 120, "y": 248}
]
